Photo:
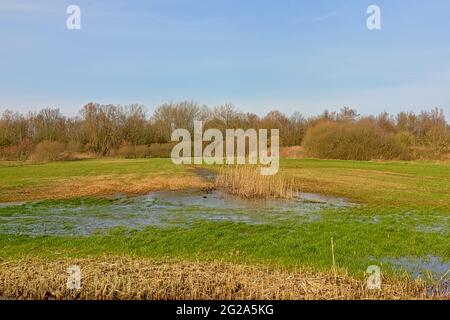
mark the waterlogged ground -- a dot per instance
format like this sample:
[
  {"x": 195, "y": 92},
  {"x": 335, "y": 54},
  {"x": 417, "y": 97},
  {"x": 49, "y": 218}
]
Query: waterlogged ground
[
  {"x": 422, "y": 267},
  {"x": 85, "y": 216},
  {"x": 172, "y": 211},
  {"x": 400, "y": 222}
]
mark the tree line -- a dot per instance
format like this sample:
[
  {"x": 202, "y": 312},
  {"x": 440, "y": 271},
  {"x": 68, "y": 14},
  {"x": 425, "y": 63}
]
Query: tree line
[{"x": 104, "y": 130}]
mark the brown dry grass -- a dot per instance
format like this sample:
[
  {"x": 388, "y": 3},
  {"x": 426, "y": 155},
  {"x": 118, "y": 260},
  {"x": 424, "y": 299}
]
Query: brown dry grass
[
  {"x": 48, "y": 151},
  {"x": 293, "y": 152},
  {"x": 247, "y": 182},
  {"x": 131, "y": 278},
  {"x": 371, "y": 186},
  {"x": 102, "y": 185}
]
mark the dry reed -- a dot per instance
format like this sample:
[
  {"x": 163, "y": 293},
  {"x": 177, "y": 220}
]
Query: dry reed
[
  {"x": 247, "y": 182},
  {"x": 133, "y": 278}
]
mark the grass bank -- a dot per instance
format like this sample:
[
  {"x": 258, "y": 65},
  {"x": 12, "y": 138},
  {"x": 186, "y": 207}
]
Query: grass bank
[
  {"x": 68, "y": 179},
  {"x": 419, "y": 185}
]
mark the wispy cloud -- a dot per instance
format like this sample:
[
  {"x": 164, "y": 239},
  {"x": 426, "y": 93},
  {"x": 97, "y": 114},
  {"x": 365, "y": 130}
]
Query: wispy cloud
[
  {"x": 26, "y": 7},
  {"x": 327, "y": 16},
  {"x": 318, "y": 18}
]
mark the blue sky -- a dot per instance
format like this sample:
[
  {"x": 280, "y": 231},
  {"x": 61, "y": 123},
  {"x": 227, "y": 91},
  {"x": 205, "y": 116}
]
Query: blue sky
[{"x": 260, "y": 55}]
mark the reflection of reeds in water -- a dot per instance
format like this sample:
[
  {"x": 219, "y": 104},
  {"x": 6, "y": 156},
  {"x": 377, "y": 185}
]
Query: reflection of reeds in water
[{"x": 247, "y": 182}]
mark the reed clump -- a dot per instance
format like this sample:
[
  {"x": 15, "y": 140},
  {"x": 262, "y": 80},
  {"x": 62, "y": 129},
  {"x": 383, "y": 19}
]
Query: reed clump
[
  {"x": 47, "y": 151},
  {"x": 248, "y": 182}
]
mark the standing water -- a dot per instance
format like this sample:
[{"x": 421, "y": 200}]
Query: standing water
[{"x": 84, "y": 216}]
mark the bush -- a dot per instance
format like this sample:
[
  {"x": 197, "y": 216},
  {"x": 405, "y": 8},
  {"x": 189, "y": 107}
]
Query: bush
[
  {"x": 75, "y": 147},
  {"x": 49, "y": 151},
  {"x": 406, "y": 138},
  {"x": 18, "y": 152},
  {"x": 438, "y": 138},
  {"x": 362, "y": 140},
  {"x": 155, "y": 150},
  {"x": 161, "y": 150},
  {"x": 130, "y": 151}
]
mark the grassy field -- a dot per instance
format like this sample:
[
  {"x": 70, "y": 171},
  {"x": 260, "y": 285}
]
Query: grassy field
[
  {"x": 58, "y": 180},
  {"x": 423, "y": 185},
  {"x": 402, "y": 213}
]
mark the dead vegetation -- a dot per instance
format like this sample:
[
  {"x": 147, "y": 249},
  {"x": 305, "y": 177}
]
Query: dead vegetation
[
  {"x": 49, "y": 151},
  {"x": 293, "y": 152},
  {"x": 101, "y": 185},
  {"x": 362, "y": 140},
  {"x": 131, "y": 278},
  {"x": 247, "y": 182},
  {"x": 154, "y": 150},
  {"x": 128, "y": 131}
]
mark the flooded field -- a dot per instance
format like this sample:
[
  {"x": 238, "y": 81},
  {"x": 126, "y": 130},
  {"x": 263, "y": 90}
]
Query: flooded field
[
  {"x": 387, "y": 214},
  {"x": 85, "y": 216},
  {"x": 93, "y": 215},
  {"x": 422, "y": 267}
]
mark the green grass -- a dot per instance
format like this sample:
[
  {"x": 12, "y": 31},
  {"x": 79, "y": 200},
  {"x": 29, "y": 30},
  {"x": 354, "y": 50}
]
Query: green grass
[
  {"x": 404, "y": 212},
  {"x": 23, "y": 175},
  {"x": 412, "y": 185},
  {"x": 58, "y": 180},
  {"x": 358, "y": 242}
]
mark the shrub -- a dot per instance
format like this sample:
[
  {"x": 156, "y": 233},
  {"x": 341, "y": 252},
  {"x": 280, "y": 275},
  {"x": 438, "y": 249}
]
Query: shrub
[
  {"x": 74, "y": 146},
  {"x": 130, "y": 151},
  {"x": 406, "y": 138},
  {"x": 155, "y": 150},
  {"x": 362, "y": 140},
  {"x": 18, "y": 152},
  {"x": 160, "y": 150},
  {"x": 49, "y": 151},
  {"x": 438, "y": 138},
  {"x": 126, "y": 151}
]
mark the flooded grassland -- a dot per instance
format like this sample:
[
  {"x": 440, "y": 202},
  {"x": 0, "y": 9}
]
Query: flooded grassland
[{"x": 376, "y": 214}]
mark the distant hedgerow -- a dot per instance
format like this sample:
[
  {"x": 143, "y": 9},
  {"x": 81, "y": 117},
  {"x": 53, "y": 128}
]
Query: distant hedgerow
[{"x": 361, "y": 140}]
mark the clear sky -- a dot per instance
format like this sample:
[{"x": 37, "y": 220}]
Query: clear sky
[{"x": 258, "y": 54}]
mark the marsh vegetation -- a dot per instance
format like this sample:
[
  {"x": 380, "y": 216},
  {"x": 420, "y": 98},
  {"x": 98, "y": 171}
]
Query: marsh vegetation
[
  {"x": 381, "y": 213},
  {"x": 247, "y": 182}
]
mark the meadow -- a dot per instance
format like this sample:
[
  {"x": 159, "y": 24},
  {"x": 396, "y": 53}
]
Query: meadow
[{"x": 397, "y": 218}]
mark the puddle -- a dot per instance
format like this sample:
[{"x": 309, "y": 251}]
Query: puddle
[
  {"x": 324, "y": 199},
  {"x": 205, "y": 174},
  {"x": 441, "y": 227},
  {"x": 88, "y": 215},
  {"x": 424, "y": 268},
  {"x": 10, "y": 204}
]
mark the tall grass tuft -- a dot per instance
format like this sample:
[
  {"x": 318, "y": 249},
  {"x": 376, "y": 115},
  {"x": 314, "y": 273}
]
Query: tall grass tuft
[
  {"x": 247, "y": 182},
  {"x": 49, "y": 151}
]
